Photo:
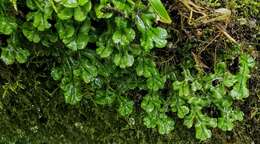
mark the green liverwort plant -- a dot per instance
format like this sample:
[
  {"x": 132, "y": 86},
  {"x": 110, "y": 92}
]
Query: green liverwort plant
[
  {"x": 194, "y": 93},
  {"x": 103, "y": 50}
]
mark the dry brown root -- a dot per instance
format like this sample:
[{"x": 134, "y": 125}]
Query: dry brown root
[
  {"x": 223, "y": 31},
  {"x": 217, "y": 15}
]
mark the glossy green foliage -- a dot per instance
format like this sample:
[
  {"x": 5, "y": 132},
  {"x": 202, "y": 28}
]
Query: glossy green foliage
[
  {"x": 41, "y": 14},
  {"x": 126, "y": 107},
  {"x": 31, "y": 33},
  {"x": 69, "y": 84},
  {"x": 77, "y": 9},
  {"x": 8, "y": 25},
  {"x": 72, "y": 72},
  {"x": 74, "y": 39},
  {"x": 240, "y": 90},
  {"x": 106, "y": 97},
  {"x": 195, "y": 93},
  {"x": 105, "y": 52},
  {"x": 147, "y": 68},
  {"x": 13, "y": 52},
  {"x": 160, "y": 11},
  {"x": 151, "y": 36},
  {"x": 124, "y": 34},
  {"x": 156, "y": 117}
]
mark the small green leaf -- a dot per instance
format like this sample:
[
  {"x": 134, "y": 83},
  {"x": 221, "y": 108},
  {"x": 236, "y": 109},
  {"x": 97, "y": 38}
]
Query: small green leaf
[
  {"x": 159, "y": 37},
  {"x": 165, "y": 124},
  {"x": 124, "y": 34},
  {"x": 70, "y": 3},
  {"x": 150, "y": 121},
  {"x": 73, "y": 3},
  {"x": 228, "y": 117},
  {"x": 65, "y": 13},
  {"x": 183, "y": 88},
  {"x": 105, "y": 98},
  {"x": 182, "y": 111},
  {"x": 123, "y": 61},
  {"x": 13, "y": 52},
  {"x": 87, "y": 71},
  {"x": 83, "y": 2},
  {"x": 147, "y": 106},
  {"x": 7, "y": 26},
  {"x": 154, "y": 37},
  {"x": 202, "y": 122},
  {"x": 218, "y": 92},
  {"x": 247, "y": 60},
  {"x": 146, "y": 68},
  {"x": 229, "y": 79},
  {"x": 160, "y": 11},
  {"x": 8, "y": 56},
  {"x": 240, "y": 90},
  {"x": 104, "y": 51},
  {"x": 202, "y": 132},
  {"x": 124, "y": 38},
  {"x": 151, "y": 36},
  {"x": 151, "y": 102},
  {"x": 56, "y": 73},
  {"x": 30, "y": 4},
  {"x": 225, "y": 124},
  {"x": 72, "y": 40},
  {"x": 22, "y": 55},
  {"x": 198, "y": 101},
  {"x": 126, "y": 107},
  {"x": 99, "y": 10},
  {"x": 31, "y": 33},
  {"x": 82, "y": 41},
  {"x": 65, "y": 30},
  {"x": 72, "y": 91},
  {"x": 40, "y": 19},
  {"x": 124, "y": 7},
  {"x": 176, "y": 102},
  {"x": 189, "y": 120},
  {"x": 79, "y": 14},
  {"x": 156, "y": 82},
  {"x": 196, "y": 86}
]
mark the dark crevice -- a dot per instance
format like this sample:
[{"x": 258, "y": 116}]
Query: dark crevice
[{"x": 211, "y": 111}]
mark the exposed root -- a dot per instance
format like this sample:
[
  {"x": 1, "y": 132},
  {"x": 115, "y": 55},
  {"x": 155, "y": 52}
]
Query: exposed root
[{"x": 223, "y": 31}]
